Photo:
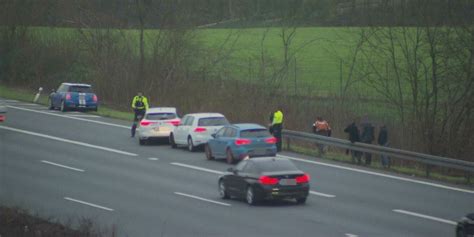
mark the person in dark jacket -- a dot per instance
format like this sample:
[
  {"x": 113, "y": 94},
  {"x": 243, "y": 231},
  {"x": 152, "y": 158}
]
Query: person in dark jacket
[
  {"x": 383, "y": 141},
  {"x": 368, "y": 136},
  {"x": 353, "y": 132}
]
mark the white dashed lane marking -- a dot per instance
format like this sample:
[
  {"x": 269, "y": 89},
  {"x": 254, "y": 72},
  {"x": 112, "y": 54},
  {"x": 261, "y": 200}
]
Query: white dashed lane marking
[
  {"x": 88, "y": 204},
  {"x": 425, "y": 216},
  {"x": 202, "y": 199},
  {"x": 62, "y": 166}
]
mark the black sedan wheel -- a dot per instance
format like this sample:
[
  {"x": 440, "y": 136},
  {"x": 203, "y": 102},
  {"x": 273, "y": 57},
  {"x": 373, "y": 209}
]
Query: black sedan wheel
[
  {"x": 250, "y": 196},
  {"x": 208, "y": 151},
  {"x": 223, "y": 190}
]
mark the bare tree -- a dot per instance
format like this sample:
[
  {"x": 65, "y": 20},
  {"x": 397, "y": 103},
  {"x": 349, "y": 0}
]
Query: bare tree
[{"x": 426, "y": 73}]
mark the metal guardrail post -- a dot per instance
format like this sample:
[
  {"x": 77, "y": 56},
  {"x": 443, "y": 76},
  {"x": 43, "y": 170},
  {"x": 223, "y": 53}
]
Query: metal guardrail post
[{"x": 288, "y": 141}]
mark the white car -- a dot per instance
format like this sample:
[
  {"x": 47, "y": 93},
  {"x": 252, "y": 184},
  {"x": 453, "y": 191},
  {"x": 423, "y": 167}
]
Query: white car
[
  {"x": 157, "y": 123},
  {"x": 196, "y": 129}
]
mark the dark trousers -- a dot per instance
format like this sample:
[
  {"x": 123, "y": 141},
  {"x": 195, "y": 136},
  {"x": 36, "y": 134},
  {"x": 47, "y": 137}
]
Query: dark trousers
[
  {"x": 277, "y": 134},
  {"x": 139, "y": 114},
  {"x": 368, "y": 156},
  {"x": 355, "y": 155}
]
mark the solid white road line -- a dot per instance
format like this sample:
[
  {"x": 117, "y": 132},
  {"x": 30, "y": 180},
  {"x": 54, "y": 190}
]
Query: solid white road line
[
  {"x": 425, "y": 216},
  {"x": 88, "y": 204},
  {"x": 197, "y": 168},
  {"x": 322, "y": 194},
  {"x": 29, "y": 104},
  {"x": 153, "y": 158},
  {"x": 66, "y": 116},
  {"x": 202, "y": 199},
  {"x": 84, "y": 116},
  {"x": 381, "y": 175},
  {"x": 218, "y": 172},
  {"x": 62, "y": 166},
  {"x": 68, "y": 141}
]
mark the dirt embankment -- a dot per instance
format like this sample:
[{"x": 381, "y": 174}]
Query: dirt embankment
[{"x": 15, "y": 222}]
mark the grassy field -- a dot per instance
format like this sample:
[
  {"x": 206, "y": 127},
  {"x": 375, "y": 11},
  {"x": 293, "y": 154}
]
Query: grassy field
[{"x": 315, "y": 49}]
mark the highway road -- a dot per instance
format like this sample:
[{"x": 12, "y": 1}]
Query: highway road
[{"x": 72, "y": 165}]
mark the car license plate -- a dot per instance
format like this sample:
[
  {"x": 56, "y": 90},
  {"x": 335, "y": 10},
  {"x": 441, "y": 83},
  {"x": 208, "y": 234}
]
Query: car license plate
[
  {"x": 288, "y": 182},
  {"x": 157, "y": 129}
]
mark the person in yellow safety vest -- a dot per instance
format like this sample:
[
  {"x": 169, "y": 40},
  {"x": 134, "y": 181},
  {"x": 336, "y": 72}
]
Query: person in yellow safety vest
[
  {"x": 139, "y": 105},
  {"x": 277, "y": 127}
]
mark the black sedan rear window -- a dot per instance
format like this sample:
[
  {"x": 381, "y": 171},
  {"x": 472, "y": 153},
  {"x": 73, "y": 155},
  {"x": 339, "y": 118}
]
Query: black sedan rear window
[
  {"x": 254, "y": 133},
  {"x": 275, "y": 165},
  {"x": 80, "y": 89},
  {"x": 213, "y": 121},
  {"x": 160, "y": 116}
]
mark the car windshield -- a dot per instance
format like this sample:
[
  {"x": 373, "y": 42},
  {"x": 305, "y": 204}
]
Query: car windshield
[
  {"x": 213, "y": 121},
  {"x": 80, "y": 89},
  {"x": 160, "y": 116},
  {"x": 276, "y": 165},
  {"x": 250, "y": 133}
]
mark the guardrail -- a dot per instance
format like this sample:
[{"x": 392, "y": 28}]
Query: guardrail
[{"x": 429, "y": 160}]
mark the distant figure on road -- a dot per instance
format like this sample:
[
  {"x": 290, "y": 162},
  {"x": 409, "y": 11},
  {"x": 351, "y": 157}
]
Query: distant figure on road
[
  {"x": 368, "y": 136},
  {"x": 321, "y": 127},
  {"x": 139, "y": 106},
  {"x": 277, "y": 126},
  {"x": 383, "y": 141},
  {"x": 353, "y": 132}
]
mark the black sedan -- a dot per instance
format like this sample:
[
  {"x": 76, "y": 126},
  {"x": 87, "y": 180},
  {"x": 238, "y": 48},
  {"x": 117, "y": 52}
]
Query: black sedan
[
  {"x": 265, "y": 178},
  {"x": 465, "y": 227}
]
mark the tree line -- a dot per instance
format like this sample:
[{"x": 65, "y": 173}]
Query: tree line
[{"x": 238, "y": 13}]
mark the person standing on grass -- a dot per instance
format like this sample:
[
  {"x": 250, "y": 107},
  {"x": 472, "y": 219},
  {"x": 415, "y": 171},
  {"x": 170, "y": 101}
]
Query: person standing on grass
[
  {"x": 139, "y": 106},
  {"x": 321, "y": 127},
  {"x": 383, "y": 141},
  {"x": 368, "y": 136},
  {"x": 353, "y": 132}
]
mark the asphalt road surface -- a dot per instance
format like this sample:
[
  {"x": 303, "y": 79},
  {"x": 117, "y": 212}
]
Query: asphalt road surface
[{"x": 73, "y": 165}]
